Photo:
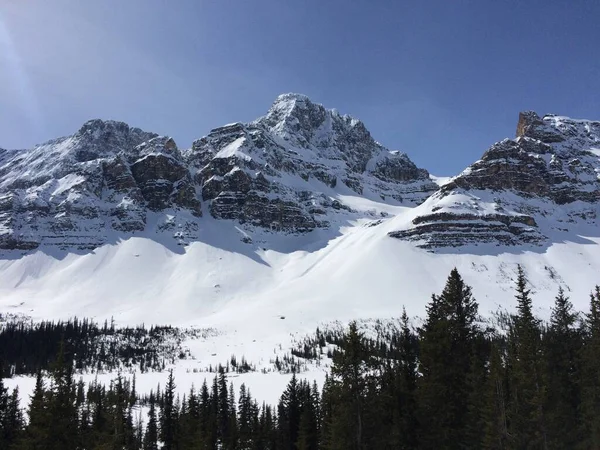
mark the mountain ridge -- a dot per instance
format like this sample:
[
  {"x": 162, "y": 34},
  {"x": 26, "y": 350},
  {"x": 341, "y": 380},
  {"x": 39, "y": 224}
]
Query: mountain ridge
[
  {"x": 541, "y": 186},
  {"x": 280, "y": 172},
  {"x": 284, "y": 172}
]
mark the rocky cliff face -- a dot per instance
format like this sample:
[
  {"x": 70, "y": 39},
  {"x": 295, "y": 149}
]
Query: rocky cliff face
[
  {"x": 281, "y": 172},
  {"x": 522, "y": 190}
]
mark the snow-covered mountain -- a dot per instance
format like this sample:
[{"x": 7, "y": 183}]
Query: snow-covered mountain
[
  {"x": 280, "y": 173},
  {"x": 540, "y": 188},
  {"x": 262, "y": 231}
]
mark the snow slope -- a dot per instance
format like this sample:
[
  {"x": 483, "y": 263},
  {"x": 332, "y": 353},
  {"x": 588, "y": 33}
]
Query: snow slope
[
  {"x": 264, "y": 291},
  {"x": 260, "y": 300}
]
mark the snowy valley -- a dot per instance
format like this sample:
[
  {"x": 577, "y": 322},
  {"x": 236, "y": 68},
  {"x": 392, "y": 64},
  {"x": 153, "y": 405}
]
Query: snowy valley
[{"x": 264, "y": 231}]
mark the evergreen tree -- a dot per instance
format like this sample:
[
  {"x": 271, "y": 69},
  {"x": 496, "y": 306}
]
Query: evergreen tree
[
  {"x": 406, "y": 389},
  {"x": 151, "y": 434},
  {"x": 245, "y": 430},
  {"x": 348, "y": 391},
  {"x": 327, "y": 415},
  {"x": 527, "y": 423},
  {"x": 308, "y": 429},
  {"x": 476, "y": 379},
  {"x": 189, "y": 423},
  {"x": 451, "y": 386},
  {"x": 223, "y": 411},
  {"x": 121, "y": 427},
  {"x": 38, "y": 430},
  {"x": 62, "y": 412},
  {"x": 207, "y": 418},
  {"x": 289, "y": 414},
  {"x": 168, "y": 416},
  {"x": 494, "y": 412},
  {"x": 563, "y": 342},
  {"x": 11, "y": 419},
  {"x": 231, "y": 439},
  {"x": 590, "y": 404},
  {"x": 447, "y": 345}
]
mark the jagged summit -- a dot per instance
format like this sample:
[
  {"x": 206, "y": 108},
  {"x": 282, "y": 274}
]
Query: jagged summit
[
  {"x": 290, "y": 100},
  {"x": 522, "y": 190},
  {"x": 295, "y": 118},
  {"x": 305, "y": 153},
  {"x": 291, "y": 171},
  {"x": 574, "y": 134},
  {"x": 297, "y": 105},
  {"x": 283, "y": 172}
]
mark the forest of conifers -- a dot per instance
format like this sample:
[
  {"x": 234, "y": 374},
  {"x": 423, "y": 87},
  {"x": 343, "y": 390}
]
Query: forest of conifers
[{"x": 452, "y": 383}]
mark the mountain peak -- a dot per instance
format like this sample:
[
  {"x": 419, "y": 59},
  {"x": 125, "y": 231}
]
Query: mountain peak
[
  {"x": 526, "y": 120},
  {"x": 99, "y": 125},
  {"x": 112, "y": 130},
  {"x": 296, "y": 118},
  {"x": 290, "y": 107},
  {"x": 291, "y": 97},
  {"x": 554, "y": 129}
]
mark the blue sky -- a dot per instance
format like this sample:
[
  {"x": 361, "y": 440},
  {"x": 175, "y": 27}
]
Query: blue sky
[{"x": 441, "y": 80}]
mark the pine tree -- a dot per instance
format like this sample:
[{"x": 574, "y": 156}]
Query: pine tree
[
  {"x": 590, "y": 404},
  {"x": 37, "y": 431},
  {"x": 62, "y": 411},
  {"x": 212, "y": 432},
  {"x": 327, "y": 414},
  {"x": 476, "y": 380},
  {"x": 189, "y": 423},
  {"x": 11, "y": 418},
  {"x": 308, "y": 434},
  {"x": 120, "y": 426},
  {"x": 289, "y": 414},
  {"x": 207, "y": 418},
  {"x": 407, "y": 386},
  {"x": 223, "y": 412},
  {"x": 168, "y": 416},
  {"x": 348, "y": 390},
  {"x": 151, "y": 434},
  {"x": 494, "y": 415},
  {"x": 527, "y": 422},
  {"x": 231, "y": 441},
  {"x": 447, "y": 344},
  {"x": 563, "y": 343},
  {"x": 245, "y": 430}
]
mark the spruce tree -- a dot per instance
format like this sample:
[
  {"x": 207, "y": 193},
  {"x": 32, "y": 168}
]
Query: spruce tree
[
  {"x": 446, "y": 352},
  {"x": 590, "y": 404},
  {"x": 168, "y": 416},
  {"x": 408, "y": 425},
  {"x": 231, "y": 441},
  {"x": 38, "y": 429},
  {"x": 223, "y": 411},
  {"x": 62, "y": 412},
  {"x": 289, "y": 414},
  {"x": 151, "y": 434},
  {"x": 348, "y": 390},
  {"x": 563, "y": 342},
  {"x": 308, "y": 434},
  {"x": 527, "y": 423},
  {"x": 11, "y": 418},
  {"x": 494, "y": 414}
]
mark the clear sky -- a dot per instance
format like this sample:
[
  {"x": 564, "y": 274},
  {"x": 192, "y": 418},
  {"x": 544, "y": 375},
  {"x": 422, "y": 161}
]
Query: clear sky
[{"x": 441, "y": 80}]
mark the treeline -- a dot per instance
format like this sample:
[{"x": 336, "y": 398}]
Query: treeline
[
  {"x": 451, "y": 383},
  {"x": 26, "y": 348}
]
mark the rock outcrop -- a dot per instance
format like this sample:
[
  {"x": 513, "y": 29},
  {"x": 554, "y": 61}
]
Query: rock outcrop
[{"x": 548, "y": 174}]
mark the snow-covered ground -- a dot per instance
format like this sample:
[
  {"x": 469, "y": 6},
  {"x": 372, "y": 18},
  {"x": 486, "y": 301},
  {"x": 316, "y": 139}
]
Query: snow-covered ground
[{"x": 262, "y": 298}]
